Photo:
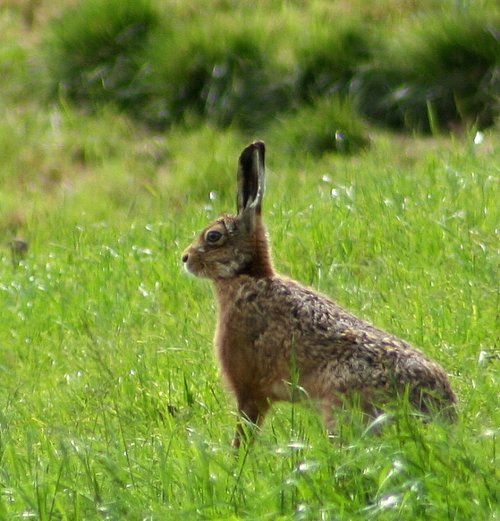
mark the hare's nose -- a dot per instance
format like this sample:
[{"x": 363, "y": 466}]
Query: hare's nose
[{"x": 185, "y": 257}]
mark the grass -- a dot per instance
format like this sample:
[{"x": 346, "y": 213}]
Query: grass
[{"x": 110, "y": 401}]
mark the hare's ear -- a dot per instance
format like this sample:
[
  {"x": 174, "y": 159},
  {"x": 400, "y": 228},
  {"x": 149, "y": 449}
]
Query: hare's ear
[{"x": 251, "y": 179}]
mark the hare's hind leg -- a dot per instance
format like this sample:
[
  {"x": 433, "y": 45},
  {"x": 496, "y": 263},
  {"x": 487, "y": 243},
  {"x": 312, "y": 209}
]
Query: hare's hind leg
[
  {"x": 252, "y": 411},
  {"x": 365, "y": 412},
  {"x": 327, "y": 408}
]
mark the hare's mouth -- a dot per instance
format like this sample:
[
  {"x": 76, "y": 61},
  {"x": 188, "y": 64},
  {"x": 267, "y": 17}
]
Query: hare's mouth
[{"x": 198, "y": 271}]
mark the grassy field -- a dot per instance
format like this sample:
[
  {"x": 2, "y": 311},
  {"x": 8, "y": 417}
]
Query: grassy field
[{"x": 110, "y": 402}]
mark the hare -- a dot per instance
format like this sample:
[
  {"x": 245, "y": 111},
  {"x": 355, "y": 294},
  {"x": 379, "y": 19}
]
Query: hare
[{"x": 272, "y": 331}]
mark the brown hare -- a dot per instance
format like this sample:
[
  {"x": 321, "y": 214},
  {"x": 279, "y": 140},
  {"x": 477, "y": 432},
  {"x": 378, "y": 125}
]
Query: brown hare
[{"x": 276, "y": 338}]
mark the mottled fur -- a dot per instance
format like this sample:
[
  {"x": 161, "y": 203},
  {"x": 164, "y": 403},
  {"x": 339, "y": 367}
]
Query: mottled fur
[{"x": 277, "y": 339}]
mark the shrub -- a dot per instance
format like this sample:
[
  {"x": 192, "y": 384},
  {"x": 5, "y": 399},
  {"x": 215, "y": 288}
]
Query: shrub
[
  {"x": 94, "y": 50},
  {"x": 329, "y": 125},
  {"x": 329, "y": 58},
  {"x": 110, "y": 51},
  {"x": 442, "y": 71},
  {"x": 222, "y": 72}
]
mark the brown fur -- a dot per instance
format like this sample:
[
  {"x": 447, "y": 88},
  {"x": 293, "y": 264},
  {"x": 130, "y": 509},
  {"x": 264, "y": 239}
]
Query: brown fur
[{"x": 277, "y": 339}]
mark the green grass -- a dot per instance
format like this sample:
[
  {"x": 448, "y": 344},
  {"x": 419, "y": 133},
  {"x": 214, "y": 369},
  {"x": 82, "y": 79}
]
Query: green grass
[{"x": 110, "y": 402}]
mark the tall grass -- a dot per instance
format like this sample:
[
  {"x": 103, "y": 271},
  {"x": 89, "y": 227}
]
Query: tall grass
[{"x": 111, "y": 402}]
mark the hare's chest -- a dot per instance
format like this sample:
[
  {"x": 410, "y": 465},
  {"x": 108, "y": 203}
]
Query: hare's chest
[
  {"x": 235, "y": 339},
  {"x": 253, "y": 353},
  {"x": 234, "y": 354}
]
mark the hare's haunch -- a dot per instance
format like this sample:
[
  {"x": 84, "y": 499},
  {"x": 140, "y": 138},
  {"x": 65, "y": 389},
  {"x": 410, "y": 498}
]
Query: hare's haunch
[{"x": 272, "y": 331}]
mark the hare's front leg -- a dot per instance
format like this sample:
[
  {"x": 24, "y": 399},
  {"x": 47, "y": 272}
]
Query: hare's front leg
[{"x": 251, "y": 411}]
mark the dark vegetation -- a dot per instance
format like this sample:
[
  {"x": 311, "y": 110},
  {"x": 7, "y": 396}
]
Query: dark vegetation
[
  {"x": 437, "y": 72},
  {"x": 96, "y": 52}
]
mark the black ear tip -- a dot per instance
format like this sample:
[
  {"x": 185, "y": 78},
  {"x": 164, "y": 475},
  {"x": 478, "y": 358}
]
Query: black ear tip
[
  {"x": 256, "y": 145},
  {"x": 249, "y": 150},
  {"x": 260, "y": 145}
]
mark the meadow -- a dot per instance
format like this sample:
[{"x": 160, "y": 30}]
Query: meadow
[{"x": 111, "y": 405}]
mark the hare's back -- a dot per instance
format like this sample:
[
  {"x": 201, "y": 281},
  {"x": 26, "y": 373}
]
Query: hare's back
[
  {"x": 300, "y": 309},
  {"x": 282, "y": 312}
]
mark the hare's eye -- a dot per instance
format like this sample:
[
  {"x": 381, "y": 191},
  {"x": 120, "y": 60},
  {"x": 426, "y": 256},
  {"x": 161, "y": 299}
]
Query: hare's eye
[{"x": 213, "y": 236}]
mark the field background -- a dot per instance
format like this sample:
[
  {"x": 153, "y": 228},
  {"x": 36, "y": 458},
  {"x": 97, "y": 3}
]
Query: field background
[{"x": 110, "y": 402}]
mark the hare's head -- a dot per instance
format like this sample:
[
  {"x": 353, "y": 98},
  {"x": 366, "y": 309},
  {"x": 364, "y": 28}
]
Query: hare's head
[{"x": 236, "y": 245}]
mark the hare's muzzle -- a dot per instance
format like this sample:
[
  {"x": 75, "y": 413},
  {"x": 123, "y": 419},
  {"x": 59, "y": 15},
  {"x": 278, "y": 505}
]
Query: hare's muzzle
[{"x": 189, "y": 262}]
